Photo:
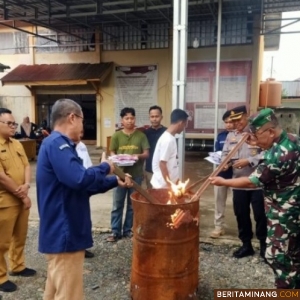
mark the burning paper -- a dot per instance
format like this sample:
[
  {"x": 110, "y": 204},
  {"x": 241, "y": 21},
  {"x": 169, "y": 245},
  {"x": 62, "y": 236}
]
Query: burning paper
[
  {"x": 180, "y": 217},
  {"x": 178, "y": 190}
]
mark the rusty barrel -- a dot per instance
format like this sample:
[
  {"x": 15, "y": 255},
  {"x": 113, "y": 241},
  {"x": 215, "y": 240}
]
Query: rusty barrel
[{"x": 165, "y": 260}]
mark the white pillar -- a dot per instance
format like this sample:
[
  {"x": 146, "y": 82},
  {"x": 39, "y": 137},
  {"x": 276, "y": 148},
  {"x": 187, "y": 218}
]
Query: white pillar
[
  {"x": 180, "y": 24},
  {"x": 218, "y": 70}
]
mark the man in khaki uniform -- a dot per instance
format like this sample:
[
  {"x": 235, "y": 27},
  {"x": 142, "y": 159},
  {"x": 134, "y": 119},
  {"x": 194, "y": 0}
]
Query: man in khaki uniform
[
  {"x": 244, "y": 163},
  {"x": 14, "y": 202}
]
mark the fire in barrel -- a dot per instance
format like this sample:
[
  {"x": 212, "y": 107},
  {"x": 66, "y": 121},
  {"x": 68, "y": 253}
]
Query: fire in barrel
[{"x": 165, "y": 246}]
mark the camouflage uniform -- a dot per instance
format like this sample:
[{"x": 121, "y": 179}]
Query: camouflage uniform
[{"x": 277, "y": 175}]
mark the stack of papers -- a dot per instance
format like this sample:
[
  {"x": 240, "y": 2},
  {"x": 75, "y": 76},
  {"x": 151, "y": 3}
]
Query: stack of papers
[
  {"x": 123, "y": 160},
  {"x": 214, "y": 157}
]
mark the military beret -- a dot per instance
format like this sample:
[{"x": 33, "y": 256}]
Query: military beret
[
  {"x": 261, "y": 118},
  {"x": 237, "y": 112}
]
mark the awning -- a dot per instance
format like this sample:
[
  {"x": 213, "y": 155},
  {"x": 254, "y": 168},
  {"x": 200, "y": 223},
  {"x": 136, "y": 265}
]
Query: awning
[{"x": 57, "y": 74}]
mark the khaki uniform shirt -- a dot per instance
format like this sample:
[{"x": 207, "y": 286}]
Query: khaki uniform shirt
[
  {"x": 252, "y": 153},
  {"x": 13, "y": 161}
]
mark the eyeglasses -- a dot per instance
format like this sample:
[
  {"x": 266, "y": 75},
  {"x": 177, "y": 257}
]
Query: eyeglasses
[
  {"x": 254, "y": 135},
  {"x": 79, "y": 117},
  {"x": 10, "y": 124}
]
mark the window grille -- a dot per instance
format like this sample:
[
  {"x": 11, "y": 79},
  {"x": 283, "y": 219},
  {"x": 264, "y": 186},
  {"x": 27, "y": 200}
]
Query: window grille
[
  {"x": 145, "y": 36},
  {"x": 234, "y": 31},
  {"x": 14, "y": 43},
  {"x": 66, "y": 43}
]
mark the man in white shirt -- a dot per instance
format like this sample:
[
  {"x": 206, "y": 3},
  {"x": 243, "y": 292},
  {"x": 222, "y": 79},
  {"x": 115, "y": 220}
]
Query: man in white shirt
[
  {"x": 165, "y": 158},
  {"x": 83, "y": 153}
]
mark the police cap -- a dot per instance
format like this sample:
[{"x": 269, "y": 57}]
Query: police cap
[{"x": 237, "y": 112}]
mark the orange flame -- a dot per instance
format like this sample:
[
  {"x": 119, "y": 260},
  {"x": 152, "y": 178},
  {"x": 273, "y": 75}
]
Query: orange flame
[{"x": 178, "y": 189}]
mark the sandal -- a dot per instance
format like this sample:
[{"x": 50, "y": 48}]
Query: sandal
[{"x": 113, "y": 238}]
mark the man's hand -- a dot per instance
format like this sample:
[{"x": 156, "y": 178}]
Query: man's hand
[
  {"x": 104, "y": 159},
  {"x": 240, "y": 163},
  {"x": 22, "y": 191},
  {"x": 252, "y": 141},
  {"x": 27, "y": 202},
  {"x": 127, "y": 183},
  {"x": 218, "y": 181}
]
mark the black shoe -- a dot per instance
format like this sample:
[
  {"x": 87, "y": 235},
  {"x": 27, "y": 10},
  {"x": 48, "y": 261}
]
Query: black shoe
[
  {"x": 24, "y": 273},
  {"x": 245, "y": 250},
  {"x": 8, "y": 287},
  {"x": 88, "y": 254},
  {"x": 128, "y": 234},
  {"x": 262, "y": 251}
]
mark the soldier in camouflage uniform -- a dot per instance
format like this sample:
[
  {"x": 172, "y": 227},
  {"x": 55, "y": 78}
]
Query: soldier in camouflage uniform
[{"x": 277, "y": 174}]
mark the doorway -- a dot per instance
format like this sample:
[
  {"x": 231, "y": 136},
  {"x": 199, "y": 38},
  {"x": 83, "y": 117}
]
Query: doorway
[{"x": 86, "y": 101}]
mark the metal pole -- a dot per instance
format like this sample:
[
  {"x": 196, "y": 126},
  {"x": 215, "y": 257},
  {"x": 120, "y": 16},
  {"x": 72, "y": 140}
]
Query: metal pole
[
  {"x": 175, "y": 53},
  {"x": 218, "y": 70},
  {"x": 179, "y": 69},
  {"x": 271, "y": 67}
]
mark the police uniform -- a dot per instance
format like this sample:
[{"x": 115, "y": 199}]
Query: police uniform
[
  {"x": 242, "y": 198},
  {"x": 13, "y": 216},
  {"x": 277, "y": 174}
]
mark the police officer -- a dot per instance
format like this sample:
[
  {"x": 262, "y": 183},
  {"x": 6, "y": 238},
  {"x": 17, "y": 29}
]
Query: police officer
[
  {"x": 244, "y": 164},
  {"x": 277, "y": 174}
]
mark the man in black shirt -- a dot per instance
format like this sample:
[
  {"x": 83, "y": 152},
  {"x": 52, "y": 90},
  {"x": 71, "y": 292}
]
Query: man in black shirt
[{"x": 153, "y": 133}]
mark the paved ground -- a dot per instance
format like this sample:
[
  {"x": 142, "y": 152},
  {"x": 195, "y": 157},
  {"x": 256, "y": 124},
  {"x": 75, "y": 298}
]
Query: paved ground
[{"x": 195, "y": 168}]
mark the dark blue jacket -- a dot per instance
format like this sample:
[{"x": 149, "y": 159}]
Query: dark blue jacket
[
  {"x": 219, "y": 144},
  {"x": 64, "y": 187}
]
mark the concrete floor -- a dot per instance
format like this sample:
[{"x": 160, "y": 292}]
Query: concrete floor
[{"x": 195, "y": 168}]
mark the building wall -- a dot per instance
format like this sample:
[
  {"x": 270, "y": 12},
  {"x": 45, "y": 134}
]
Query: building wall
[
  {"x": 163, "y": 58},
  {"x": 20, "y": 101},
  {"x": 19, "y": 98}
]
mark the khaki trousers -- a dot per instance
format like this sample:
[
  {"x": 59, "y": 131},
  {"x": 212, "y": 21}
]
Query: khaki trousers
[
  {"x": 220, "y": 204},
  {"x": 64, "y": 276},
  {"x": 13, "y": 233}
]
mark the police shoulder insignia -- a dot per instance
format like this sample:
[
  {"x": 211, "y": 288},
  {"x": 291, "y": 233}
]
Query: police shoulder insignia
[{"x": 62, "y": 147}]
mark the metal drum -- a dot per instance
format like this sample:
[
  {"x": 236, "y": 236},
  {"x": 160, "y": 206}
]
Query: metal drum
[{"x": 165, "y": 260}]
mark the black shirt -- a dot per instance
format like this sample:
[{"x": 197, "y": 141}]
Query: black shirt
[{"x": 152, "y": 135}]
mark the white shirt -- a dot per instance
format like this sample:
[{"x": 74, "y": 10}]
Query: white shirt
[
  {"x": 82, "y": 152},
  {"x": 165, "y": 150}
]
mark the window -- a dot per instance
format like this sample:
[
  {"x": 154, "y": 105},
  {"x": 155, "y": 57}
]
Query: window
[
  {"x": 78, "y": 41},
  {"x": 144, "y": 36},
  {"x": 14, "y": 43},
  {"x": 235, "y": 30}
]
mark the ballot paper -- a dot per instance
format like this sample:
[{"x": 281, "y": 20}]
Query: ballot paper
[
  {"x": 123, "y": 160},
  {"x": 214, "y": 157}
]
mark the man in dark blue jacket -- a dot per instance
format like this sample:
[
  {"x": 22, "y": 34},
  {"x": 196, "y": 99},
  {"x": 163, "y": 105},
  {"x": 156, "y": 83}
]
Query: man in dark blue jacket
[
  {"x": 64, "y": 187},
  {"x": 221, "y": 191}
]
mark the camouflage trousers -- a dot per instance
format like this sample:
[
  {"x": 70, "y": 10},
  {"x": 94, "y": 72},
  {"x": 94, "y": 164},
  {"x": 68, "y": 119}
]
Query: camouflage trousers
[{"x": 283, "y": 251}]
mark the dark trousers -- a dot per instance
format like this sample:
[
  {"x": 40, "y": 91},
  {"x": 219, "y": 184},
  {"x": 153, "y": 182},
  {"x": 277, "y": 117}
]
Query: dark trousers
[{"x": 241, "y": 205}]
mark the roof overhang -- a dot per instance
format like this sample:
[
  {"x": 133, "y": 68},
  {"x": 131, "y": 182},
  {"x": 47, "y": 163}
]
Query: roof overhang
[
  {"x": 58, "y": 74},
  {"x": 62, "y": 15}
]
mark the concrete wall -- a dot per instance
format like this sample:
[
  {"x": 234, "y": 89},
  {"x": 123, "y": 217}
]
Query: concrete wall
[
  {"x": 163, "y": 58},
  {"x": 19, "y": 99}
]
